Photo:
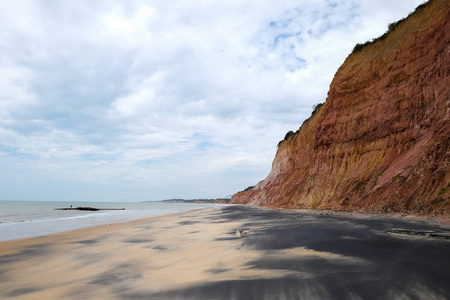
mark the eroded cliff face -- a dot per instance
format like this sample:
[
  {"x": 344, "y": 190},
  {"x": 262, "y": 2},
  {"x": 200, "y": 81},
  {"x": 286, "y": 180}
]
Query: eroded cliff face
[{"x": 381, "y": 141}]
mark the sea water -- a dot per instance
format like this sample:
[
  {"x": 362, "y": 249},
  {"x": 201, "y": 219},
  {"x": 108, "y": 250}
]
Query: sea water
[{"x": 19, "y": 219}]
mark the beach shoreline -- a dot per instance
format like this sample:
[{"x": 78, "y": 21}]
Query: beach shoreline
[
  {"x": 230, "y": 252},
  {"x": 22, "y": 219}
]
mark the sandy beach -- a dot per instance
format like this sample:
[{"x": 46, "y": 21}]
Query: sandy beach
[{"x": 200, "y": 254}]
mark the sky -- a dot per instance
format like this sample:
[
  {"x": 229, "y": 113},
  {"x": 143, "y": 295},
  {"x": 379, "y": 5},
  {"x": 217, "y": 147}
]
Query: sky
[{"x": 150, "y": 100}]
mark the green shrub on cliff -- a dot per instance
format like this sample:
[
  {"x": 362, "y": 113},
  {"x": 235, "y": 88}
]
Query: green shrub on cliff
[
  {"x": 287, "y": 136},
  {"x": 316, "y": 107},
  {"x": 443, "y": 190},
  {"x": 360, "y": 185},
  {"x": 398, "y": 176},
  {"x": 248, "y": 189}
]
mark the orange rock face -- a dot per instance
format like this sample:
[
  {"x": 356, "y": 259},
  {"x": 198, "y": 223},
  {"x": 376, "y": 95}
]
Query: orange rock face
[{"x": 381, "y": 141}]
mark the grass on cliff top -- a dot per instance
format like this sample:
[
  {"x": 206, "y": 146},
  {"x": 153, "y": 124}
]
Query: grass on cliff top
[
  {"x": 247, "y": 189},
  {"x": 391, "y": 27},
  {"x": 289, "y": 134}
]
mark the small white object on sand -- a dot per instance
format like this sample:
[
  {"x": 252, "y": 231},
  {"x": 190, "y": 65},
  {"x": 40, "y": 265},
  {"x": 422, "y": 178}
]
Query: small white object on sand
[{"x": 241, "y": 233}]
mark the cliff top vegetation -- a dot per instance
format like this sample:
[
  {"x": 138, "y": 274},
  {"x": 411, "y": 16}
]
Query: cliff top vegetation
[{"x": 391, "y": 27}]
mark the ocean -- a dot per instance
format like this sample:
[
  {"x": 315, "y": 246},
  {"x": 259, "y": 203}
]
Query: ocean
[{"x": 20, "y": 219}]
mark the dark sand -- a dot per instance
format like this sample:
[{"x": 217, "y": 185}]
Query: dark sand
[{"x": 199, "y": 255}]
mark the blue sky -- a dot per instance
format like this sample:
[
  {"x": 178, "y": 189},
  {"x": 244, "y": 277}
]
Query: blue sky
[{"x": 149, "y": 100}]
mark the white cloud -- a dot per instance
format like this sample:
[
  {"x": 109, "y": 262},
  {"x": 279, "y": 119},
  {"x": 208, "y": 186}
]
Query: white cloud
[
  {"x": 15, "y": 94},
  {"x": 164, "y": 98}
]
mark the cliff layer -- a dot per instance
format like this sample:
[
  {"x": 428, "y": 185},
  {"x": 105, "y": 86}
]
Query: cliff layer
[{"x": 381, "y": 141}]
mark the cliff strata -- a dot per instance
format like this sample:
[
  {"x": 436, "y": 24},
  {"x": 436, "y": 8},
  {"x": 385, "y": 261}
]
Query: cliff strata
[{"x": 380, "y": 143}]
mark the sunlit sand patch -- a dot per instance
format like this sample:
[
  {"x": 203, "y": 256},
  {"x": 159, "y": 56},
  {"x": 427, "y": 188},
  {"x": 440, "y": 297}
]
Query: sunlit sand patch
[{"x": 300, "y": 252}]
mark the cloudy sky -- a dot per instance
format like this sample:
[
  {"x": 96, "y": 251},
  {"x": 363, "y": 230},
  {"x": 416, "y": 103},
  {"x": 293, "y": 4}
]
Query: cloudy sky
[{"x": 149, "y": 100}]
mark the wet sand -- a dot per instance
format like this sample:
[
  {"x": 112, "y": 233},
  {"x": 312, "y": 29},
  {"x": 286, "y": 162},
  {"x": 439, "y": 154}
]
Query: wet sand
[{"x": 199, "y": 255}]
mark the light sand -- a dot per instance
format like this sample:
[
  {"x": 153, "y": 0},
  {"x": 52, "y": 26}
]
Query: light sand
[
  {"x": 150, "y": 255},
  {"x": 196, "y": 255}
]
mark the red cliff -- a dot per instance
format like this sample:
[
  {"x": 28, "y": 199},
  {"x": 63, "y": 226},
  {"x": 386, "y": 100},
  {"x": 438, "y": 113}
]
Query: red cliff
[{"x": 381, "y": 141}]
